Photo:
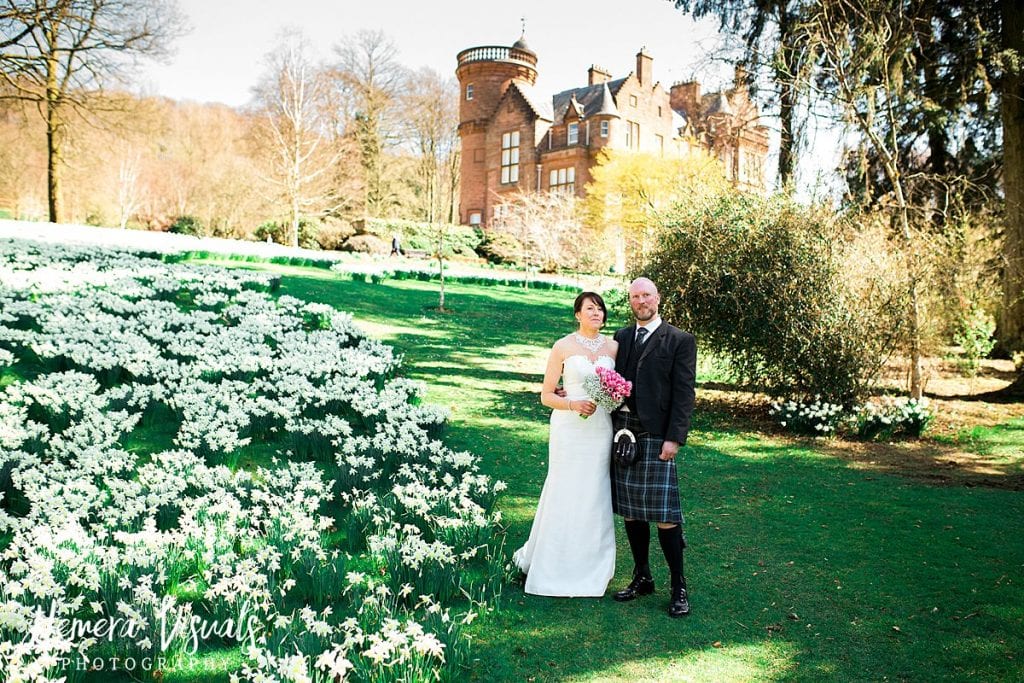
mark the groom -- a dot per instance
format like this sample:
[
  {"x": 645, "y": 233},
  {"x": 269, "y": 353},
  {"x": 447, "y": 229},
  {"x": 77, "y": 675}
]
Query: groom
[{"x": 661, "y": 361}]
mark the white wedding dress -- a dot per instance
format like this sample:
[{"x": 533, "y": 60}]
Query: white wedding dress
[{"x": 571, "y": 549}]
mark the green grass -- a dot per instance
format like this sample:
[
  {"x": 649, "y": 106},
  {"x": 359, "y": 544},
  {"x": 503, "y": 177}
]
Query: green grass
[
  {"x": 799, "y": 566},
  {"x": 1003, "y": 443}
]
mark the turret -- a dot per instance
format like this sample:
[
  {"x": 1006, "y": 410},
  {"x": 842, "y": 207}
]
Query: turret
[{"x": 484, "y": 75}]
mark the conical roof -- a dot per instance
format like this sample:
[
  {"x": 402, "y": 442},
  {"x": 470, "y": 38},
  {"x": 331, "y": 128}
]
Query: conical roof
[{"x": 608, "y": 107}]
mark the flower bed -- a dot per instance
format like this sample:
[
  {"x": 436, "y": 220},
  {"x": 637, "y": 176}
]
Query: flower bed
[
  {"x": 352, "y": 543},
  {"x": 870, "y": 420}
]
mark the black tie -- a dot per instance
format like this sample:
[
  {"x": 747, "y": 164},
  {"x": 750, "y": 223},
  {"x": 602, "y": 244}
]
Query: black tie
[{"x": 641, "y": 335}]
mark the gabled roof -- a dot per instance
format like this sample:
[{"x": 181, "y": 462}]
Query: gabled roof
[
  {"x": 540, "y": 107},
  {"x": 590, "y": 98},
  {"x": 574, "y": 107}
]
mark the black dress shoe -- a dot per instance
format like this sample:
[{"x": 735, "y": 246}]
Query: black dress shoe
[
  {"x": 679, "y": 605},
  {"x": 640, "y": 585}
]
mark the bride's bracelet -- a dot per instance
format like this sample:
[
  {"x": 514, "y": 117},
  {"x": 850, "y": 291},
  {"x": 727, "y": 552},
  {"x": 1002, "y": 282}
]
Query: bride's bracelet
[{"x": 569, "y": 406}]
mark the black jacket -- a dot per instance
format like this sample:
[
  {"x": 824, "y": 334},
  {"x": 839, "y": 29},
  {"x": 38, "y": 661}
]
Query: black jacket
[{"x": 665, "y": 386}]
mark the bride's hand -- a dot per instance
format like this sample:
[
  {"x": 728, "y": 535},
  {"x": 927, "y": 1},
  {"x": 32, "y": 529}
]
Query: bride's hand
[{"x": 584, "y": 407}]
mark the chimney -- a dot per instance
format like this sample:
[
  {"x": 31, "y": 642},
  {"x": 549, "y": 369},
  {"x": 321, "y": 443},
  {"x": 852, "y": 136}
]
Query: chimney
[
  {"x": 597, "y": 74},
  {"x": 684, "y": 97},
  {"x": 644, "y": 67}
]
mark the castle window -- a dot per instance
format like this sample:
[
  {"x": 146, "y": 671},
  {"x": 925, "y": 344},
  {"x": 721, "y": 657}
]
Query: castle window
[
  {"x": 563, "y": 180},
  {"x": 510, "y": 157},
  {"x": 469, "y": 91},
  {"x": 659, "y": 112},
  {"x": 632, "y": 100},
  {"x": 660, "y": 142},
  {"x": 604, "y": 129},
  {"x": 632, "y": 135},
  {"x": 573, "y": 136},
  {"x": 474, "y": 218}
]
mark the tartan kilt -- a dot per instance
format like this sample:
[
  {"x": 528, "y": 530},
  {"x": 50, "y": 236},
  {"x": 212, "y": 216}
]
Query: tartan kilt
[{"x": 648, "y": 489}]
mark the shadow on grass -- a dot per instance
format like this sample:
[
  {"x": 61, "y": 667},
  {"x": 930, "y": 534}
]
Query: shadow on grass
[{"x": 798, "y": 568}]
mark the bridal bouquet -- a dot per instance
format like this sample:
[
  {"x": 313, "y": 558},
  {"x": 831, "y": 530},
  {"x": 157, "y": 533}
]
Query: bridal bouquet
[{"x": 606, "y": 388}]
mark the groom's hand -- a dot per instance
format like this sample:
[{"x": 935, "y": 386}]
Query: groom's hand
[
  {"x": 669, "y": 450},
  {"x": 559, "y": 391}
]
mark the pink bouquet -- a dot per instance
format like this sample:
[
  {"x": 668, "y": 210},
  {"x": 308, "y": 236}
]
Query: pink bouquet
[{"x": 607, "y": 388}]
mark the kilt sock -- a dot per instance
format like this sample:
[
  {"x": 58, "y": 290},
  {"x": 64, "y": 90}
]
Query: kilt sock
[
  {"x": 638, "y": 532},
  {"x": 671, "y": 540}
]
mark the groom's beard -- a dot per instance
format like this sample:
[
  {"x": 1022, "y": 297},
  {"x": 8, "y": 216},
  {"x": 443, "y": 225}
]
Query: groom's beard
[{"x": 644, "y": 314}]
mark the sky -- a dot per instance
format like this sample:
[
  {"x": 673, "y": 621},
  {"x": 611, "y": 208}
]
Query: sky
[{"x": 221, "y": 58}]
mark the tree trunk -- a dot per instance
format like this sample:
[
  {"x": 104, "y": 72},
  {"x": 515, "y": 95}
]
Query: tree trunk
[
  {"x": 1011, "y": 327},
  {"x": 440, "y": 266},
  {"x": 54, "y": 133},
  {"x": 54, "y": 160},
  {"x": 787, "y": 97}
]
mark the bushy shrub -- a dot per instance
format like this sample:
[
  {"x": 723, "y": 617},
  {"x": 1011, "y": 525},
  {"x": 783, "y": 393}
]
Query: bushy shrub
[
  {"x": 187, "y": 225},
  {"x": 975, "y": 337},
  {"x": 760, "y": 282},
  {"x": 272, "y": 229},
  {"x": 366, "y": 244},
  {"x": 501, "y": 248},
  {"x": 333, "y": 232},
  {"x": 280, "y": 233},
  {"x": 461, "y": 240}
]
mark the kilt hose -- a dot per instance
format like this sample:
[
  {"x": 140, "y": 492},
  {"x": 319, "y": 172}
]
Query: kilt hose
[{"x": 648, "y": 489}]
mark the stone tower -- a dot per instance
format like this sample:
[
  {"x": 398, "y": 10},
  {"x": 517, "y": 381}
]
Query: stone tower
[{"x": 484, "y": 75}]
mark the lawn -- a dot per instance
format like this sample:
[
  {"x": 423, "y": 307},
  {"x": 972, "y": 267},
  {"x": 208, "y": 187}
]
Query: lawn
[{"x": 801, "y": 565}]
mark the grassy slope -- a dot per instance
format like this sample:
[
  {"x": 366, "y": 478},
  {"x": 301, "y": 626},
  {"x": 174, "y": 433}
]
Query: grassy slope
[{"x": 799, "y": 567}]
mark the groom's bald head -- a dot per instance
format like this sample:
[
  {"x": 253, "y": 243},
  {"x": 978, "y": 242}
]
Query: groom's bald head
[{"x": 645, "y": 283}]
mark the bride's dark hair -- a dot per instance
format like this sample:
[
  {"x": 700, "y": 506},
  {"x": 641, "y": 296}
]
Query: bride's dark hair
[{"x": 577, "y": 305}]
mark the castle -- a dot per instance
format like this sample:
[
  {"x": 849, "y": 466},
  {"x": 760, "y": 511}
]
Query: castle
[{"x": 514, "y": 140}]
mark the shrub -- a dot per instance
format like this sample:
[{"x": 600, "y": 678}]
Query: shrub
[
  {"x": 501, "y": 248},
  {"x": 461, "y": 240},
  {"x": 760, "y": 283},
  {"x": 333, "y": 232},
  {"x": 366, "y": 244},
  {"x": 187, "y": 225},
  {"x": 975, "y": 337},
  {"x": 271, "y": 229},
  {"x": 280, "y": 233}
]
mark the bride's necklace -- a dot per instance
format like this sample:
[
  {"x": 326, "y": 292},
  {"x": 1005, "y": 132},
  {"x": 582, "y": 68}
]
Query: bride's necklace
[{"x": 591, "y": 345}]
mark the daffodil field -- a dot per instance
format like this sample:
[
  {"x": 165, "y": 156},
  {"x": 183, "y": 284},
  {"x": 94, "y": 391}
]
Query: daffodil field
[{"x": 190, "y": 462}]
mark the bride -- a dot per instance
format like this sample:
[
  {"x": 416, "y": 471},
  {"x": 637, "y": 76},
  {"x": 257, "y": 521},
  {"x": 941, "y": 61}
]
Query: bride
[{"x": 571, "y": 549}]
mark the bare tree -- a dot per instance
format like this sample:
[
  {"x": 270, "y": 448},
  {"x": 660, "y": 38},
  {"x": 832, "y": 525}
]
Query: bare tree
[
  {"x": 58, "y": 54},
  {"x": 129, "y": 190},
  {"x": 865, "y": 50},
  {"x": 430, "y": 112},
  {"x": 547, "y": 226},
  {"x": 370, "y": 79},
  {"x": 291, "y": 100}
]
